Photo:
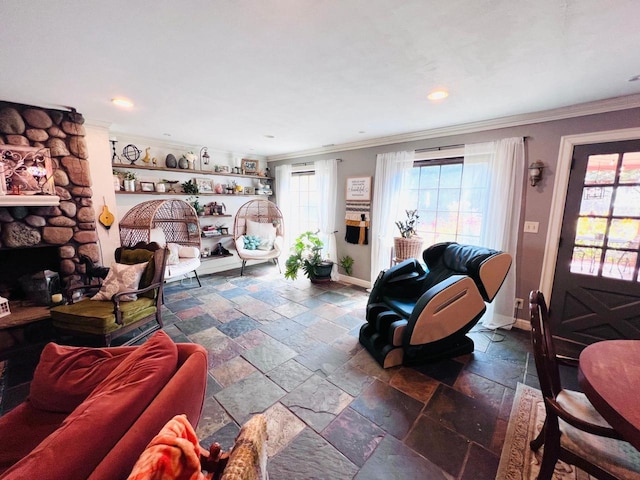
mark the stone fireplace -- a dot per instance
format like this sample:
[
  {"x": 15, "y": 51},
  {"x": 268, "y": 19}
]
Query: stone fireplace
[{"x": 69, "y": 226}]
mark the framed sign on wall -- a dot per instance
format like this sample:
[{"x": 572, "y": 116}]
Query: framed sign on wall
[{"x": 358, "y": 189}]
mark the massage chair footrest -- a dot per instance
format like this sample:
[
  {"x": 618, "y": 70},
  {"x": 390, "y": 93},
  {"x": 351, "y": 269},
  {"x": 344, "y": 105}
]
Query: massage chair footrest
[
  {"x": 433, "y": 352},
  {"x": 385, "y": 354}
]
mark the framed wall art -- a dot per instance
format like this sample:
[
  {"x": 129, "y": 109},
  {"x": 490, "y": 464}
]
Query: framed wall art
[
  {"x": 358, "y": 189},
  {"x": 204, "y": 185},
  {"x": 147, "y": 186},
  {"x": 27, "y": 170},
  {"x": 249, "y": 166}
]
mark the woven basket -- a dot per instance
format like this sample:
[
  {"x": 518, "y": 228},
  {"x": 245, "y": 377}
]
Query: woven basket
[{"x": 407, "y": 248}]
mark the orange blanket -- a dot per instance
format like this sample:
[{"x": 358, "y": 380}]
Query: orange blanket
[{"x": 173, "y": 454}]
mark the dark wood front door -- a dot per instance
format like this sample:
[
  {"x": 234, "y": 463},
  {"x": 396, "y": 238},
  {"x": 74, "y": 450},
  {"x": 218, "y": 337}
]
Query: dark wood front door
[{"x": 596, "y": 289}]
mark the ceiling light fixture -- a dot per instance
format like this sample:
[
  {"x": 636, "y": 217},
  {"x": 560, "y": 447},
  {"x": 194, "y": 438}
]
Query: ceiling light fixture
[
  {"x": 122, "y": 102},
  {"x": 635, "y": 78},
  {"x": 269, "y": 136},
  {"x": 438, "y": 95}
]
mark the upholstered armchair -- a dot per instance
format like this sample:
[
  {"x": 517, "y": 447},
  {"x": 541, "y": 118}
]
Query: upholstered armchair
[
  {"x": 130, "y": 298},
  {"x": 417, "y": 315}
]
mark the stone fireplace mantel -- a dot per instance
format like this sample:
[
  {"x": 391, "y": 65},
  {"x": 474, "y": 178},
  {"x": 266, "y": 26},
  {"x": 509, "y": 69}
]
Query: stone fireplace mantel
[{"x": 29, "y": 201}]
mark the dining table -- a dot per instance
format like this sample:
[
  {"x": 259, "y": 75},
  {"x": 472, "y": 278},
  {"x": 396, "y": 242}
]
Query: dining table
[{"x": 609, "y": 374}]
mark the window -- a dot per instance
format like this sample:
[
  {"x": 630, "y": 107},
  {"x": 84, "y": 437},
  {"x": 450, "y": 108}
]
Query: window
[
  {"x": 305, "y": 201},
  {"x": 447, "y": 210}
]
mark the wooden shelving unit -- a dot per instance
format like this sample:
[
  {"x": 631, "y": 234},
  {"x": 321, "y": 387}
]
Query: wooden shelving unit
[
  {"x": 186, "y": 170},
  {"x": 139, "y": 192}
]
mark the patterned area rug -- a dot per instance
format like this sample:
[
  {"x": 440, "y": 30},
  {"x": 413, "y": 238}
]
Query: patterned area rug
[{"x": 517, "y": 461}]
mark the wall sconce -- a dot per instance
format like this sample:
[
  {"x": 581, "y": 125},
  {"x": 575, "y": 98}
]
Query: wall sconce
[
  {"x": 204, "y": 157},
  {"x": 535, "y": 172}
]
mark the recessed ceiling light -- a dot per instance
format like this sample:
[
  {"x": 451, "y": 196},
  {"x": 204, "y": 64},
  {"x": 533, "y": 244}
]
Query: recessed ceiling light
[
  {"x": 438, "y": 95},
  {"x": 635, "y": 78},
  {"x": 122, "y": 102},
  {"x": 166, "y": 134},
  {"x": 269, "y": 136},
  {"x": 362, "y": 131}
]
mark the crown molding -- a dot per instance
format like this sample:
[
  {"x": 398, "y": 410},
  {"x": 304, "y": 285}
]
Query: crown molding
[
  {"x": 177, "y": 145},
  {"x": 562, "y": 113}
]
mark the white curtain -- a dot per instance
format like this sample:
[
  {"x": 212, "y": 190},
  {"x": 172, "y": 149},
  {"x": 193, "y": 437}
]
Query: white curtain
[
  {"x": 326, "y": 172},
  {"x": 389, "y": 194},
  {"x": 285, "y": 200},
  {"x": 492, "y": 180}
]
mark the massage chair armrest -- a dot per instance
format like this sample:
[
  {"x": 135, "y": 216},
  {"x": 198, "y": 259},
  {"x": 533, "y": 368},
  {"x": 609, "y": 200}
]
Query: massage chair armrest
[
  {"x": 403, "y": 280},
  {"x": 438, "y": 289},
  {"x": 448, "y": 308}
]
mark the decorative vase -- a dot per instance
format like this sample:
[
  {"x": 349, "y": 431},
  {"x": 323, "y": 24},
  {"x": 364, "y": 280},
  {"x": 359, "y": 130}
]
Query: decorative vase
[
  {"x": 129, "y": 185},
  {"x": 171, "y": 161},
  {"x": 406, "y": 248},
  {"x": 116, "y": 183},
  {"x": 183, "y": 163}
]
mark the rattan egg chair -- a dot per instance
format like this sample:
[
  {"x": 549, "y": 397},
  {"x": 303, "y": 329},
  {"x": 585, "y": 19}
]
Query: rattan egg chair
[
  {"x": 165, "y": 222},
  {"x": 261, "y": 219}
]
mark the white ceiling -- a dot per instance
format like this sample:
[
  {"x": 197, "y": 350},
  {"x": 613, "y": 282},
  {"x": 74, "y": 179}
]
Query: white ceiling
[{"x": 226, "y": 73}]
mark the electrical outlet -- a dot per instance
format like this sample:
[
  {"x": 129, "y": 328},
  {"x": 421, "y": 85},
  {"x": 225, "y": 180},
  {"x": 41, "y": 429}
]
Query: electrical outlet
[{"x": 519, "y": 303}]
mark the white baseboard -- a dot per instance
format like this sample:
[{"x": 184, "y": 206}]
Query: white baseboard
[
  {"x": 522, "y": 324},
  {"x": 354, "y": 281}
]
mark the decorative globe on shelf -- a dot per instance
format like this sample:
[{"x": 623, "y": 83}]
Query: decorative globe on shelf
[{"x": 131, "y": 153}]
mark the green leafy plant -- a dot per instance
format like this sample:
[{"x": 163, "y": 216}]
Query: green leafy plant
[
  {"x": 190, "y": 187},
  {"x": 346, "y": 263},
  {"x": 306, "y": 255},
  {"x": 407, "y": 227},
  {"x": 195, "y": 203},
  {"x": 129, "y": 175}
]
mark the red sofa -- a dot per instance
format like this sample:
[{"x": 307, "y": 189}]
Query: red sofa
[{"x": 92, "y": 411}]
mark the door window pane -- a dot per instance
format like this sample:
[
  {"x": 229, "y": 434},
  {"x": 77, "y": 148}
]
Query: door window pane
[
  {"x": 627, "y": 202},
  {"x": 624, "y": 233},
  {"x": 596, "y": 201},
  {"x": 601, "y": 169},
  {"x": 585, "y": 260},
  {"x": 591, "y": 231},
  {"x": 630, "y": 171},
  {"x": 619, "y": 264}
]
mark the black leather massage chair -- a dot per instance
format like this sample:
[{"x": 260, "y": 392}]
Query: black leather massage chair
[{"x": 417, "y": 316}]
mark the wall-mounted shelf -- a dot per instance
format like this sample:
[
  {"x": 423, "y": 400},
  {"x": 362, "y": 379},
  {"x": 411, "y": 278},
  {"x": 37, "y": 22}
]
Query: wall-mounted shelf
[
  {"x": 215, "y": 257},
  {"x": 139, "y": 192},
  {"x": 226, "y": 235},
  {"x": 187, "y": 170}
]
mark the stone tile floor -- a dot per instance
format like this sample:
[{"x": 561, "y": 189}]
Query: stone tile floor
[{"x": 290, "y": 349}]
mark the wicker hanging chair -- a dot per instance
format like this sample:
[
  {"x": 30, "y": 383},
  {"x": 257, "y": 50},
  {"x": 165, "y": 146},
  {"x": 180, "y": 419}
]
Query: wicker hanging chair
[
  {"x": 260, "y": 218},
  {"x": 177, "y": 219}
]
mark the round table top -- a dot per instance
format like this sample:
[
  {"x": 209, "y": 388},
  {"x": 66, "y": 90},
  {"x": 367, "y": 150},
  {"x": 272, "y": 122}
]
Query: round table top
[{"x": 609, "y": 373}]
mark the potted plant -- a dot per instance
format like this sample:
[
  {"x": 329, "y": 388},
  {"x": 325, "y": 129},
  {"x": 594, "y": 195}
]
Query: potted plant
[
  {"x": 346, "y": 263},
  {"x": 306, "y": 255},
  {"x": 408, "y": 244},
  {"x": 195, "y": 203},
  {"x": 190, "y": 187},
  {"x": 130, "y": 181}
]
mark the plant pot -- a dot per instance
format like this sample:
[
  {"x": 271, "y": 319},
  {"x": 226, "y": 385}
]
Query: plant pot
[
  {"x": 407, "y": 248},
  {"x": 323, "y": 273},
  {"x": 129, "y": 185}
]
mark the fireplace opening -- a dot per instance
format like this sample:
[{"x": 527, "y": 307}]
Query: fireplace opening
[{"x": 29, "y": 275}]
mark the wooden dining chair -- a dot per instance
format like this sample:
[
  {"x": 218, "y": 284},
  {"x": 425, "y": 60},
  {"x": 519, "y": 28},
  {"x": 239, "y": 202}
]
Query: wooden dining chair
[{"x": 573, "y": 430}]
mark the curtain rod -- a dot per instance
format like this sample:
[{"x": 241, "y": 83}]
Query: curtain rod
[
  {"x": 304, "y": 164},
  {"x": 447, "y": 147}
]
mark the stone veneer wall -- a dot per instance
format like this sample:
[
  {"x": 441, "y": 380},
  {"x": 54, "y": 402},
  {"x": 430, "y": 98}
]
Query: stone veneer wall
[{"x": 72, "y": 225}]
